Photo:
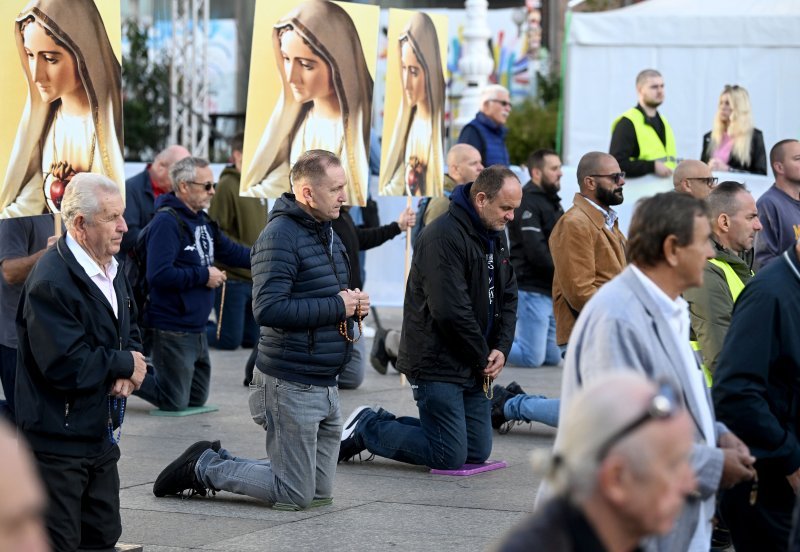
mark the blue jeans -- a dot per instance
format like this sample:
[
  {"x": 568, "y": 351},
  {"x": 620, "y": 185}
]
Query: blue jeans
[
  {"x": 8, "y": 375},
  {"x": 238, "y": 325},
  {"x": 535, "y": 336},
  {"x": 182, "y": 369},
  {"x": 353, "y": 374},
  {"x": 532, "y": 408},
  {"x": 454, "y": 427},
  {"x": 304, "y": 425}
]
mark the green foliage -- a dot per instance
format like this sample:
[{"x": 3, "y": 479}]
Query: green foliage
[
  {"x": 533, "y": 122},
  {"x": 145, "y": 89}
]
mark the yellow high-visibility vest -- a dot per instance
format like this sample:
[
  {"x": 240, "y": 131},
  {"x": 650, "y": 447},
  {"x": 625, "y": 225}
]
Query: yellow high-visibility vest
[
  {"x": 736, "y": 286},
  {"x": 650, "y": 146}
]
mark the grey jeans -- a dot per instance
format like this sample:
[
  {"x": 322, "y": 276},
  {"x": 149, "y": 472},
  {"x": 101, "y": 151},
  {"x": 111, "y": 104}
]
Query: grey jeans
[{"x": 303, "y": 424}]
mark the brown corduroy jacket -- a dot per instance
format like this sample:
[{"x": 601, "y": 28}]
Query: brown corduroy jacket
[{"x": 586, "y": 255}]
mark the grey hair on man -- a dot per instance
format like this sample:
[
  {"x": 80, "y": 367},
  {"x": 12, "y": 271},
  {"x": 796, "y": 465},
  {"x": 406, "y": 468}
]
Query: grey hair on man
[
  {"x": 185, "y": 170},
  {"x": 81, "y": 197}
]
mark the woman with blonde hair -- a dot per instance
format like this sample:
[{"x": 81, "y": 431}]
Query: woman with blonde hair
[
  {"x": 733, "y": 143},
  {"x": 415, "y": 162},
  {"x": 325, "y": 101},
  {"x": 72, "y": 120}
]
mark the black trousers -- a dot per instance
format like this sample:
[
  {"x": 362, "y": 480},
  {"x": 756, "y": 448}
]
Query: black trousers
[
  {"x": 765, "y": 525},
  {"x": 83, "y": 494}
]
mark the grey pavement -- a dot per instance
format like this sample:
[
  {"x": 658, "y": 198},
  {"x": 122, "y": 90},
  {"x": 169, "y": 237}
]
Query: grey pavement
[{"x": 377, "y": 504}]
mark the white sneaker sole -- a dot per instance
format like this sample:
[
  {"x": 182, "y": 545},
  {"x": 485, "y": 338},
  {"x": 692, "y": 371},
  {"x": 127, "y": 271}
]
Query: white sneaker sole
[{"x": 351, "y": 422}]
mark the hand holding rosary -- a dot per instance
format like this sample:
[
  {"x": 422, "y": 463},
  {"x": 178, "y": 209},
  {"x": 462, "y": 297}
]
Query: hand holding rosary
[{"x": 360, "y": 312}]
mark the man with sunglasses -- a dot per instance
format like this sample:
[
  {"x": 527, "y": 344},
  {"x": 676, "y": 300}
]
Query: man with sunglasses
[
  {"x": 621, "y": 474},
  {"x": 487, "y": 131},
  {"x": 182, "y": 245},
  {"x": 586, "y": 244},
  {"x": 640, "y": 322},
  {"x": 642, "y": 140},
  {"x": 693, "y": 177}
]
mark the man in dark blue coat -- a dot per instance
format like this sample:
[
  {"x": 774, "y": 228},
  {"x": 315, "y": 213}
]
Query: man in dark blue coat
[
  {"x": 79, "y": 353},
  {"x": 182, "y": 245},
  {"x": 302, "y": 302},
  {"x": 487, "y": 131},
  {"x": 459, "y": 316}
]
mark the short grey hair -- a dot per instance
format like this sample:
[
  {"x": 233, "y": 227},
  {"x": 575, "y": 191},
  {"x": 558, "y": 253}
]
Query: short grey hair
[
  {"x": 185, "y": 170},
  {"x": 595, "y": 414},
  {"x": 491, "y": 91},
  {"x": 82, "y": 197},
  {"x": 644, "y": 75}
]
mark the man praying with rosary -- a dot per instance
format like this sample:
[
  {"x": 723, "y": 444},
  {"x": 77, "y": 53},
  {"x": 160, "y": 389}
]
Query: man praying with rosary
[
  {"x": 459, "y": 318},
  {"x": 309, "y": 321}
]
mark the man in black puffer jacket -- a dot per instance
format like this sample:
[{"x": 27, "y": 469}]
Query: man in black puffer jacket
[
  {"x": 458, "y": 325},
  {"x": 302, "y": 302}
]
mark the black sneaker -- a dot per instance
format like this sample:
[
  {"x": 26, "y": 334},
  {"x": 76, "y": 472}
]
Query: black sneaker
[
  {"x": 500, "y": 396},
  {"x": 378, "y": 356},
  {"x": 179, "y": 476},
  {"x": 348, "y": 446},
  {"x": 515, "y": 389}
]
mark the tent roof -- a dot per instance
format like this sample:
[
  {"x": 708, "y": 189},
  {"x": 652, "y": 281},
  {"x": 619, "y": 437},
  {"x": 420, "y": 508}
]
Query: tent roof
[{"x": 691, "y": 23}]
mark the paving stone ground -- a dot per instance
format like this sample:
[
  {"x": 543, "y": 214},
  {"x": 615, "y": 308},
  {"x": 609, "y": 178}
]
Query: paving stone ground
[{"x": 377, "y": 505}]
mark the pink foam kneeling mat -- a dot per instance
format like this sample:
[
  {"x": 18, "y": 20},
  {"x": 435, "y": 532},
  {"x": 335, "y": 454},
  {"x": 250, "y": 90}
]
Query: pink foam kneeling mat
[{"x": 472, "y": 469}]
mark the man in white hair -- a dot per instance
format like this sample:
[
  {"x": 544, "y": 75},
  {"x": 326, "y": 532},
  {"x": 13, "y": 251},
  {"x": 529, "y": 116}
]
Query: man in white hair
[
  {"x": 487, "y": 131},
  {"x": 79, "y": 357},
  {"x": 622, "y": 473}
]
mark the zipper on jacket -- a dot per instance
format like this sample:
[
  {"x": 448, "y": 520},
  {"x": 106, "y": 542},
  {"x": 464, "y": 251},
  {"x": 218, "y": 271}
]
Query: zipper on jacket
[
  {"x": 66, "y": 412},
  {"x": 310, "y": 341}
]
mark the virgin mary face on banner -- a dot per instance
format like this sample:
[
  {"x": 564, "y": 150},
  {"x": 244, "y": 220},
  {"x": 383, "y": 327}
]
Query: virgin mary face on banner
[
  {"x": 414, "y": 163},
  {"x": 325, "y": 102},
  {"x": 72, "y": 121}
]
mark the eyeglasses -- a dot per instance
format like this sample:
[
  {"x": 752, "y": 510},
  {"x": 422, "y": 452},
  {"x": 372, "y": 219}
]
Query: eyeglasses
[
  {"x": 616, "y": 177},
  {"x": 662, "y": 406},
  {"x": 504, "y": 103},
  {"x": 709, "y": 181},
  {"x": 206, "y": 185}
]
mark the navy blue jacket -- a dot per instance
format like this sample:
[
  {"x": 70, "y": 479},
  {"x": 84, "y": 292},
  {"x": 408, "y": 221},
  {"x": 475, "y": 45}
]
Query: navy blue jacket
[
  {"x": 139, "y": 209},
  {"x": 177, "y": 267},
  {"x": 71, "y": 350},
  {"x": 487, "y": 137},
  {"x": 299, "y": 266}
]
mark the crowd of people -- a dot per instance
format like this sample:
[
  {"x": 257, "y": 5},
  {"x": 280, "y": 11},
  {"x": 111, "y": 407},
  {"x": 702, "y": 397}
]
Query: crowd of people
[{"x": 677, "y": 413}]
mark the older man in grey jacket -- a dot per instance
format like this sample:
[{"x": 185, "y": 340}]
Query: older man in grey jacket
[{"x": 639, "y": 321}]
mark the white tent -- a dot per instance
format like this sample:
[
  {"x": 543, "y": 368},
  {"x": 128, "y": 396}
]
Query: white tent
[{"x": 698, "y": 46}]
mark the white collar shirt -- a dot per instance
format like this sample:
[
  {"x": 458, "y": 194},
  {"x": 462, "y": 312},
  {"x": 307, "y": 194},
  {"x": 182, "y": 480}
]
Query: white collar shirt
[{"x": 103, "y": 278}]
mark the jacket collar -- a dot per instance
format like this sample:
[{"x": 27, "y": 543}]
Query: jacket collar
[
  {"x": 78, "y": 272},
  {"x": 665, "y": 336}
]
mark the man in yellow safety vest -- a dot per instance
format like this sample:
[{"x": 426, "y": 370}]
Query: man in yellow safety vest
[
  {"x": 734, "y": 223},
  {"x": 641, "y": 138}
]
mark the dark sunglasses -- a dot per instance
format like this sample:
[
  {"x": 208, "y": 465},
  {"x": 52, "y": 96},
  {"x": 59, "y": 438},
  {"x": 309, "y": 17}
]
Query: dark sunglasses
[
  {"x": 504, "y": 103},
  {"x": 709, "y": 181},
  {"x": 206, "y": 185},
  {"x": 662, "y": 406},
  {"x": 616, "y": 177},
  {"x": 731, "y": 87}
]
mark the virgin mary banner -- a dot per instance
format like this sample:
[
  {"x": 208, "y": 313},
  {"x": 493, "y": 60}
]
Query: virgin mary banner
[
  {"x": 412, "y": 162},
  {"x": 61, "y": 98},
  {"x": 310, "y": 88}
]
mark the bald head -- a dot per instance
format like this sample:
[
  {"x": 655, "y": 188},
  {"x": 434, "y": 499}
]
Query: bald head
[
  {"x": 22, "y": 499},
  {"x": 464, "y": 163},
  {"x": 689, "y": 176},
  {"x": 159, "y": 170}
]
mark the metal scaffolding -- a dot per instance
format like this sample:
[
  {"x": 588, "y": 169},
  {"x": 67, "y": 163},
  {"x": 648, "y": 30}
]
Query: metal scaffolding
[{"x": 189, "y": 121}]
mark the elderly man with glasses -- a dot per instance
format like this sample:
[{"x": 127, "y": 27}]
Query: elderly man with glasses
[
  {"x": 639, "y": 322},
  {"x": 182, "y": 244},
  {"x": 693, "y": 177},
  {"x": 487, "y": 131},
  {"x": 586, "y": 243},
  {"x": 621, "y": 474}
]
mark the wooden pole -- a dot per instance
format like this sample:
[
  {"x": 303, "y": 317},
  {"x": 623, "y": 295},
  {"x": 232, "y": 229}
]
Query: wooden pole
[
  {"x": 407, "y": 267},
  {"x": 57, "y": 219}
]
